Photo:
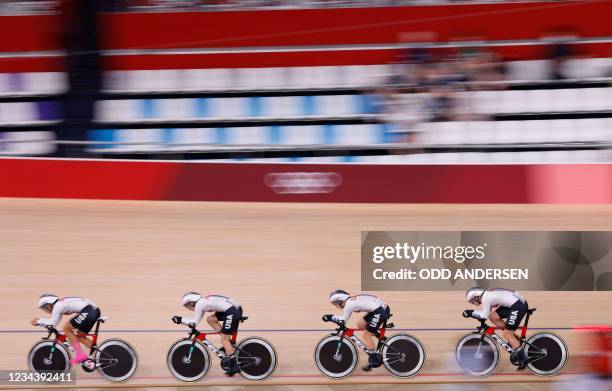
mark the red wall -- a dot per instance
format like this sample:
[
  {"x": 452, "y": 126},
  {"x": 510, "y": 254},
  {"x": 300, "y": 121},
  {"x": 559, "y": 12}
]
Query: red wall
[
  {"x": 309, "y": 27},
  {"x": 356, "y": 25},
  {"x": 141, "y": 180}
]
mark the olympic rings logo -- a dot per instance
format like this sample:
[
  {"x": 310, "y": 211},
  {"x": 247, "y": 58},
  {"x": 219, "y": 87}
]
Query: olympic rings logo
[{"x": 303, "y": 182}]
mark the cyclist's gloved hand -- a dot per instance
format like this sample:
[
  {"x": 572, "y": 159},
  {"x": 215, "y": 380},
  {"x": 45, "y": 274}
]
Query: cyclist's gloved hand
[
  {"x": 468, "y": 313},
  {"x": 327, "y": 317},
  {"x": 177, "y": 319}
]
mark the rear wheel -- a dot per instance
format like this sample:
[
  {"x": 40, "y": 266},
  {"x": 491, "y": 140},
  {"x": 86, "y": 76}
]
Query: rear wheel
[
  {"x": 116, "y": 360},
  {"x": 188, "y": 361},
  {"x": 553, "y": 351},
  {"x": 257, "y": 358},
  {"x": 403, "y": 355},
  {"x": 335, "y": 357},
  {"x": 46, "y": 356},
  {"x": 477, "y": 354}
]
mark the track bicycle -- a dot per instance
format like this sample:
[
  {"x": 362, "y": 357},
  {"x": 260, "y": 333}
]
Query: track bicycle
[
  {"x": 114, "y": 358},
  {"x": 337, "y": 357},
  {"x": 477, "y": 353},
  {"x": 189, "y": 358}
]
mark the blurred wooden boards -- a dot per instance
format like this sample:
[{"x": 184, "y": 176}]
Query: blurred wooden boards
[{"x": 135, "y": 259}]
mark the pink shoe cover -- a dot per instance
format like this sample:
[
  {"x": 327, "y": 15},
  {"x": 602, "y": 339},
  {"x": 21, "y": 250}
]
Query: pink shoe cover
[{"x": 79, "y": 358}]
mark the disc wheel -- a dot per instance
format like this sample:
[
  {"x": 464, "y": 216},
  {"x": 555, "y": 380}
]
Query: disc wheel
[
  {"x": 403, "y": 355},
  {"x": 188, "y": 361},
  {"x": 555, "y": 353},
  {"x": 257, "y": 358},
  {"x": 116, "y": 360},
  {"x": 46, "y": 356},
  {"x": 336, "y": 358},
  {"x": 477, "y": 355}
]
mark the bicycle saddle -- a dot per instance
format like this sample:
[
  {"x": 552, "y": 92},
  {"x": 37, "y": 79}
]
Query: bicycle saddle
[
  {"x": 243, "y": 318},
  {"x": 531, "y": 311}
]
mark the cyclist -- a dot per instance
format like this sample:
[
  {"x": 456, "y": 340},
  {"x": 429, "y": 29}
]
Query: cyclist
[
  {"x": 224, "y": 320},
  {"x": 377, "y": 312},
  {"x": 84, "y": 314},
  {"x": 496, "y": 305}
]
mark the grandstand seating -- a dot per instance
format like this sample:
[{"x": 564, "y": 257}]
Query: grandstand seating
[
  {"x": 241, "y": 79},
  {"x": 300, "y": 106}
]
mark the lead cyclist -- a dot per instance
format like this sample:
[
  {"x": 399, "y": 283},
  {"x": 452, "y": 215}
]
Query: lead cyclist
[{"x": 496, "y": 305}]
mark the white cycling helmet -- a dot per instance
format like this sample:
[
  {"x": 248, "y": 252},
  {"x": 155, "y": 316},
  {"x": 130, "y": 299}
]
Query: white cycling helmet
[
  {"x": 47, "y": 299},
  {"x": 338, "y": 296},
  {"x": 190, "y": 297},
  {"x": 474, "y": 292}
]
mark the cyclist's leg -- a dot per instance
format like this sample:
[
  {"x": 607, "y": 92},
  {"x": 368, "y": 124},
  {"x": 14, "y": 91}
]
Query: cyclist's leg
[
  {"x": 515, "y": 315},
  {"x": 511, "y": 338},
  {"x": 83, "y": 322},
  {"x": 87, "y": 324},
  {"x": 230, "y": 320},
  {"x": 68, "y": 330},
  {"x": 216, "y": 321},
  {"x": 368, "y": 336},
  {"x": 226, "y": 341},
  {"x": 84, "y": 340},
  {"x": 496, "y": 319},
  {"x": 372, "y": 321},
  {"x": 213, "y": 322}
]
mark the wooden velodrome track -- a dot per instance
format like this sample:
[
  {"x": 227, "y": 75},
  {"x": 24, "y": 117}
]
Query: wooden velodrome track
[{"x": 135, "y": 259}]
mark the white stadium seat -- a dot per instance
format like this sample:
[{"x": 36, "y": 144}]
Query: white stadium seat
[
  {"x": 175, "y": 109},
  {"x": 44, "y": 82},
  {"x": 136, "y": 136},
  {"x": 333, "y": 105},
  {"x": 27, "y": 143},
  {"x": 199, "y": 136},
  {"x": 227, "y": 108},
  {"x": 282, "y": 106},
  {"x": 302, "y": 135},
  {"x": 357, "y": 134},
  {"x": 247, "y": 135},
  {"x": 15, "y": 112}
]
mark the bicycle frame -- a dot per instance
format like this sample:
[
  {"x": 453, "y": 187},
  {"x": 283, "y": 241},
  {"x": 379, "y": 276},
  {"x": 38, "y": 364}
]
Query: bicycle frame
[
  {"x": 62, "y": 339},
  {"x": 349, "y": 333},
  {"x": 199, "y": 336},
  {"x": 485, "y": 329}
]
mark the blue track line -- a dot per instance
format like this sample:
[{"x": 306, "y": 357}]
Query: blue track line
[{"x": 277, "y": 330}]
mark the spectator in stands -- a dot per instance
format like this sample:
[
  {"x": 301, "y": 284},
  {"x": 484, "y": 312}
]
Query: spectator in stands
[{"x": 559, "y": 53}]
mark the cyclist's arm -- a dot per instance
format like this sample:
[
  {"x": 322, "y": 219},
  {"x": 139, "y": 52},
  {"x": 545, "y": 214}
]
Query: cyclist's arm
[
  {"x": 199, "y": 310},
  {"x": 485, "y": 308},
  {"x": 44, "y": 322},
  {"x": 348, "y": 310},
  {"x": 56, "y": 314}
]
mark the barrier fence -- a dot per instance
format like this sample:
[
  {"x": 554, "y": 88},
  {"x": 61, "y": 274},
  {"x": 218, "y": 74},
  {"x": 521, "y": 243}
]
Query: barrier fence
[{"x": 342, "y": 183}]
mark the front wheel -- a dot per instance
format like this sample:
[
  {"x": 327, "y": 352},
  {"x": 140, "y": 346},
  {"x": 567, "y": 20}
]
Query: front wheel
[
  {"x": 477, "y": 354},
  {"x": 257, "y": 358},
  {"x": 116, "y": 360},
  {"x": 188, "y": 360},
  {"x": 403, "y": 355},
  {"x": 336, "y": 357},
  {"x": 49, "y": 356},
  {"x": 552, "y": 350}
]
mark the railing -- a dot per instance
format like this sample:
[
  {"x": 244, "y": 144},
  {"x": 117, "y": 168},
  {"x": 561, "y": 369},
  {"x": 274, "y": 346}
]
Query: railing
[{"x": 30, "y": 7}]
